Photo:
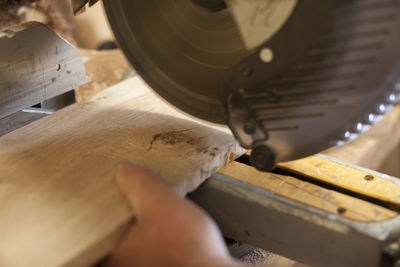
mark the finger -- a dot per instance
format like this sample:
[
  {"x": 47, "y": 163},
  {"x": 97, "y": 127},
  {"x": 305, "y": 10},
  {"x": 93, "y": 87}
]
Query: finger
[{"x": 144, "y": 190}]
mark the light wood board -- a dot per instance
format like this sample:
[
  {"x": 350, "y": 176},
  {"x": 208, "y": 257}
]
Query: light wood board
[
  {"x": 371, "y": 149},
  {"x": 59, "y": 203}
]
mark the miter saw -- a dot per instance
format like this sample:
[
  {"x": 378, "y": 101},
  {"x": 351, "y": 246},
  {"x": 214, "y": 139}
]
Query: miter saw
[{"x": 290, "y": 77}]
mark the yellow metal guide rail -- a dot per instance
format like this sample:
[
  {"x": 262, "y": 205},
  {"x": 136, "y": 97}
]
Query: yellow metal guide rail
[
  {"x": 317, "y": 210},
  {"x": 289, "y": 185}
]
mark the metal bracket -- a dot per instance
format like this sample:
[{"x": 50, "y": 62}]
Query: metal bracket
[{"x": 36, "y": 65}]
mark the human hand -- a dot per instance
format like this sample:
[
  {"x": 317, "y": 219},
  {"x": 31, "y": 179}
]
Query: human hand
[{"x": 169, "y": 231}]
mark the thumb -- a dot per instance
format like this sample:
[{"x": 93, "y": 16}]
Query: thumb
[{"x": 144, "y": 190}]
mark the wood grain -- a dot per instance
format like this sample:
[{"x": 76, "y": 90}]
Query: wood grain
[{"x": 59, "y": 204}]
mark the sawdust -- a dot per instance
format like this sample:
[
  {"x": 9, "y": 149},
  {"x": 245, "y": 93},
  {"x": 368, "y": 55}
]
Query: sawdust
[{"x": 256, "y": 257}]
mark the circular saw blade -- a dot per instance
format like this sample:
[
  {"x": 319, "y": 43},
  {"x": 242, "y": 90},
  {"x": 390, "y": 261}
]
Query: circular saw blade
[
  {"x": 184, "y": 52},
  {"x": 180, "y": 49}
]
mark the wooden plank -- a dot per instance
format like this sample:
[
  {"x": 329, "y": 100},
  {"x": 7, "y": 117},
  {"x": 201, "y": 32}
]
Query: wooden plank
[
  {"x": 59, "y": 204},
  {"x": 310, "y": 194},
  {"x": 371, "y": 148},
  {"x": 391, "y": 165},
  {"x": 345, "y": 177}
]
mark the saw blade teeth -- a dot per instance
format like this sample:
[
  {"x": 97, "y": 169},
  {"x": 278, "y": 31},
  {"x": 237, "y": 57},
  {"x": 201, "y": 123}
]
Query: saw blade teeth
[
  {"x": 361, "y": 127},
  {"x": 383, "y": 108},
  {"x": 348, "y": 136},
  {"x": 394, "y": 96},
  {"x": 339, "y": 143},
  {"x": 373, "y": 118}
]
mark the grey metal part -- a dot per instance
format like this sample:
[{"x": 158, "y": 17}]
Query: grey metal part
[
  {"x": 18, "y": 120},
  {"x": 260, "y": 218},
  {"x": 36, "y": 64},
  {"x": 31, "y": 114}
]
